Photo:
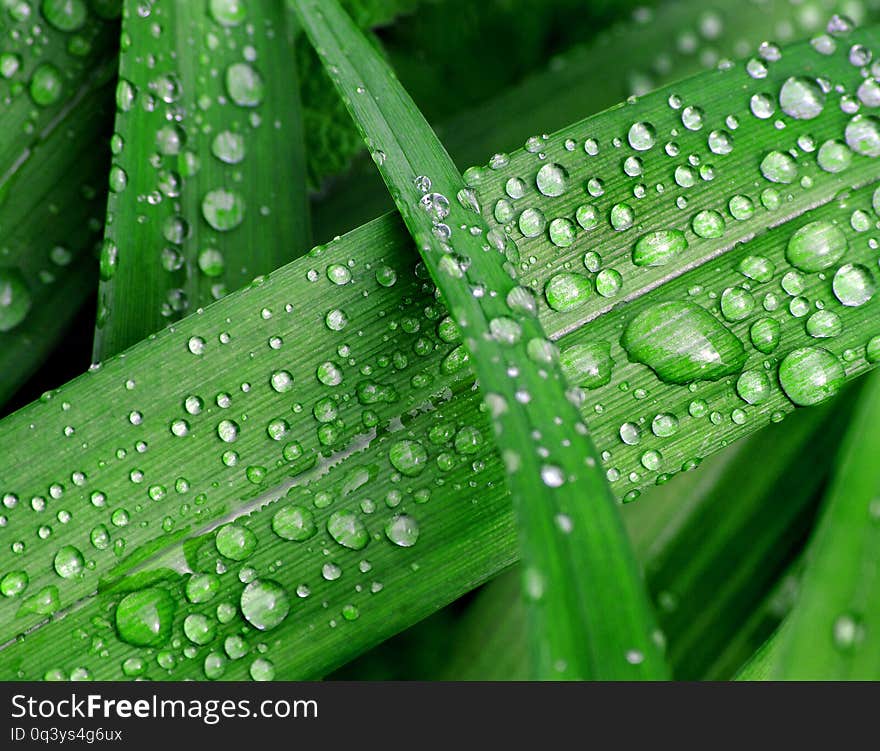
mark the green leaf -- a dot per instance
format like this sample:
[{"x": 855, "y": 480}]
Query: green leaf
[
  {"x": 690, "y": 534},
  {"x": 830, "y": 634},
  {"x": 588, "y": 615},
  {"x": 132, "y": 491},
  {"x": 53, "y": 163},
  {"x": 207, "y": 114},
  {"x": 662, "y": 46}
]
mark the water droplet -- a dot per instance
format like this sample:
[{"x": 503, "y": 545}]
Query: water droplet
[
  {"x": 13, "y": 583},
  {"x": 348, "y": 530},
  {"x": 228, "y": 12},
  {"x": 144, "y": 618},
  {"x": 46, "y": 85},
  {"x": 801, "y": 98},
  {"x": 551, "y": 180},
  {"x": 223, "y": 209},
  {"x": 69, "y": 562},
  {"x": 402, "y": 530},
  {"x": 682, "y": 343},
  {"x": 810, "y": 375},
  {"x": 779, "y": 167},
  {"x": 853, "y": 285},
  {"x": 408, "y": 457},
  {"x": 834, "y": 156},
  {"x": 708, "y": 224},
  {"x": 863, "y": 135},
  {"x": 567, "y": 290},
  {"x": 264, "y": 604},
  {"x": 294, "y": 523},
  {"x": 235, "y": 542},
  {"x": 641, "y": 136},
  {"x": 816, "y": 246},
  {"x": 753, "y": 387},
  {"x": 659, "y": 247},
  {"x": 587, "y": 365},
  {"x": 244, "y": 84},
  {"x": 15, "y": 299}
]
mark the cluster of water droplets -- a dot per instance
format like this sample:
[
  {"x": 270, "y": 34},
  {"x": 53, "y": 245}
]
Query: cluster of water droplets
[{"x": 197, "y": 155}]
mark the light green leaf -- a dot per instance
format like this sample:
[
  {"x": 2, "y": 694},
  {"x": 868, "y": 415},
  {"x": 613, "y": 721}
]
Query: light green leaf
[
  {"x": 588, "y": 615},
  {"x": 127, "y": 476},
  {"x": 208, "y": 176}
]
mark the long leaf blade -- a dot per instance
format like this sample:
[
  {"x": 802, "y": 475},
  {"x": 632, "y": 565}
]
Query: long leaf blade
[
  {"x": 207, "y": 113},
  {"x": 589, "y": 616}
]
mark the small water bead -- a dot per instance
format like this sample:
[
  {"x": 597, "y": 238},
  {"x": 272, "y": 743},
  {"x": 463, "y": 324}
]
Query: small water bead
[
  {"x": 68, "y": 562},
  {"x": 816, "y": 246},
  {"x": 692, "y": 118},
  {"x": 551, "y": 180},
  {"x": 622, "y": 216},
  {"x": 515, "y": 188},
  {"x": 587, "y": 365},
  {"x": 228, "y": 147},
  {"x": 869, "y": 92},
  {"x": 630, "y": 434},
  {"x": 244, "y": 85},
  {"x": 860, "y": 221},
  {"x": 202, "y": 588},
  {"x": 532, "y": 222},
  {"x": 408, "y": 457},
  {"x": 336, "y": 319},
  {"x": 13, "y": 583},
  {"x": 228, "y": 12},
  {"x": 753, "y": 387},
  {"x": 641, "y": 136},
  {"x": 214, "y": 666},
  {"x": 737, "y": 303},
  {"x": 609, "y": 282},
  {"x": 587, "y": 216},
  {"x": 402, "y": 530},
  {"x": 235, "y": 542},
  {"x": 295, "y": 523},
  {"x": 9, "y": 64},
  {"x": 595, "y": 187},
  {"x": 592, "y": 261},
  {"x": 757, "y": 268},
  {"x": 756, "y": 68},
  {"x": 651, "y": 460},
  {"x": 801, "y": 98},
  {"x": 504, "y": 211},
  {"x": 779, "y": 167},
  {"x": 278, "y": 429},
  {"x": 824, "y": 324},
  {"x": 15, "y": 299},
  {"x": 853, "y": 285},
  {"x": 223, "y": 209},
  {"x": 847, "y": 632},
  {"x": 552, "y": 476},
  {"x": 264, "y": 604},
  {"x": 793, "y": 283},
  {"x": 633, "y": 166},
  {"x": 561, "y": 232},
  {"x": 862, "y": 134},
  {"x": 720, "y": 142},
  {"x": 262, "y": 669},
  {"x": 810, "y": 375},
  {"x": 144, "y": 618},
  {"x": 46, "y": 85},
  {"x": 567, "y": 290},
  {"x": 348, "y": 530},
  {"x": 331, "y": 572},
  {"x": 684, "y": 177},
  {"x": 762, "y": 106},
  {"x": 228, "y": 431},
  {"x": 834, "y": 156},
  {"x": 708, "y": 224},
  {"x": 199, "y": 629},
  {"x": 659, "y": 247},
  {"x": 681, "y": 342},
  {"x": 872, "y": 350}
]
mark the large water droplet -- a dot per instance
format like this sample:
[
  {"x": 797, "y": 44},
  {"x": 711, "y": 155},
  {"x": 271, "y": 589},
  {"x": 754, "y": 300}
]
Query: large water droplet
[
  {"x": 810, "y": 375},
  {"x": 244, "y": 84},
  {"x": 294, "y": 523},
  {"x": 681, "y": 342},
  {"x": 348, "y": 530},
  {"x": 223, "y": 209},
  {"x": 816, "y": 246},
  {"x": 402, "y": 530},
  {"x": 551, "y": 180},
  {"x": 863, "y": 135},
  {"x": 853, "y": 285},
  {"x": 236, "y": 542},
  {"x": 567, "y": 290},
  {"x": 587, "y": 365}
]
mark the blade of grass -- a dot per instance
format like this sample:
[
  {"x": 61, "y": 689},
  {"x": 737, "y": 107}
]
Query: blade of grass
[
  {"x": 831, "y": 632},
  {"x": 588, "y": 615},
  {"x": 207, "y": 113},
  {"x": 662, "y": 45},
  {"x": 56, "y": 104},
  {"x": 731, "y": 507},
  {"x": 379, "y": 326}
]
